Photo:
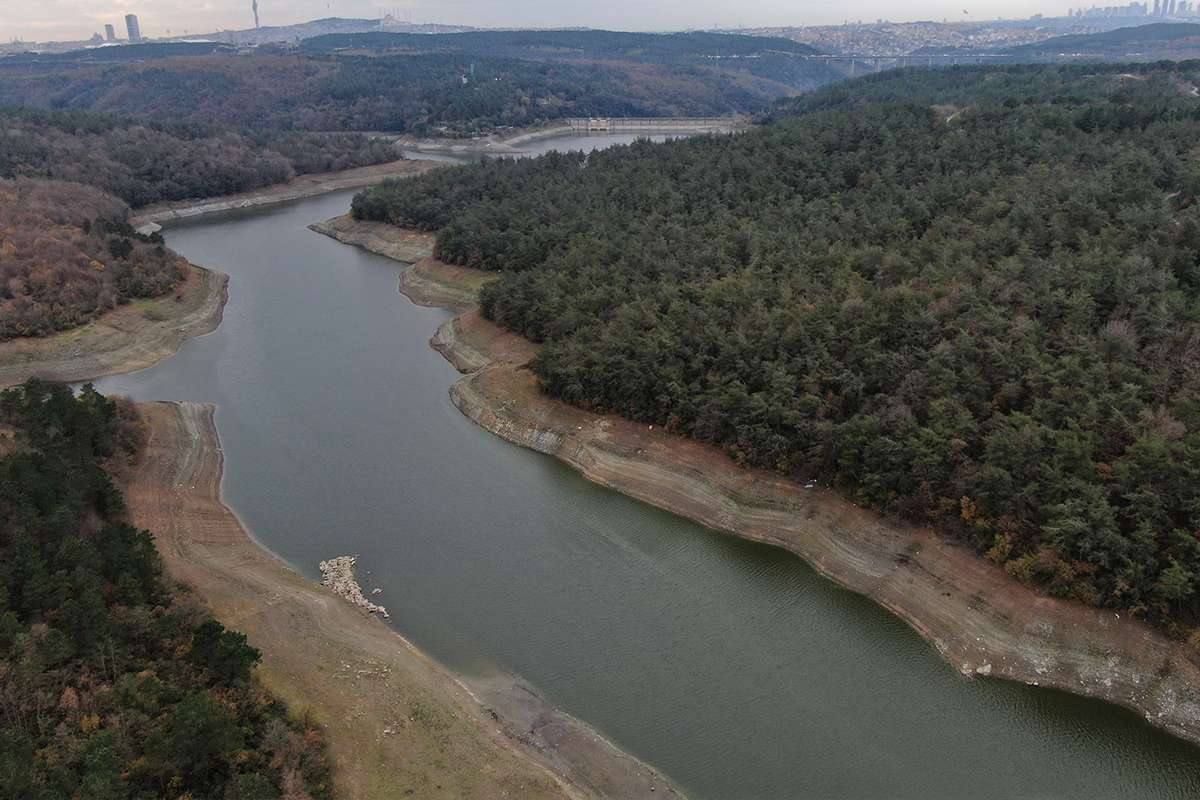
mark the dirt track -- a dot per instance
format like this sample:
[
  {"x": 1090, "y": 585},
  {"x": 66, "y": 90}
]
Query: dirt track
[
  {"x": 131, "y": 337},
  {"x": 398, "y": 724},
  {"x": 982, "y": 621}
]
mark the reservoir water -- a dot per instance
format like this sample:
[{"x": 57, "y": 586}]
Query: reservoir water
[{"x": 730, "y": 666}]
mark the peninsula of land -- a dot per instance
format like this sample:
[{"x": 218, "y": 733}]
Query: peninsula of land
[{"x": 132, "y": 336}]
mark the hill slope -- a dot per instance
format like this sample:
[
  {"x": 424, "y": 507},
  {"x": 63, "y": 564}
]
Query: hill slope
[
  {"x": 989, "y": 320},
  {"x": 464, "y": 83}
]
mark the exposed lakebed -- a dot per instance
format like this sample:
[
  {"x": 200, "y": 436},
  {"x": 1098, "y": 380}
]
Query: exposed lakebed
[{"x": 730, "y": 666}]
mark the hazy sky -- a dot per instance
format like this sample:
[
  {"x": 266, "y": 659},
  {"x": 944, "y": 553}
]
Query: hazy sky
[{"x": 42, "y": 20}]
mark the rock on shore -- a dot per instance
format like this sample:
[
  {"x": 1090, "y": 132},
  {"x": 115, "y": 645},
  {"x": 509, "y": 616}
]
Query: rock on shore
[{"x": 337, "y": 575}]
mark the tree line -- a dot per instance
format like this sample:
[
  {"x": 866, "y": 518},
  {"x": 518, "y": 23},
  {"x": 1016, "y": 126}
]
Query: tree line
[
  {"x": 970, "y": 298},
  {"x": 115, "y": 684},
  {"x": 148, "y": 162}
]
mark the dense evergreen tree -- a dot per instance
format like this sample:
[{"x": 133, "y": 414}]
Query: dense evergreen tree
[
  {"x": 114, "y": 684},
  {"x": 970, "y": 297}
]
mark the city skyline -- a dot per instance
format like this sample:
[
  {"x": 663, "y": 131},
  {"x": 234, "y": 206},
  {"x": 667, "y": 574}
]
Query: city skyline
[{"x": 76, "y": 20}]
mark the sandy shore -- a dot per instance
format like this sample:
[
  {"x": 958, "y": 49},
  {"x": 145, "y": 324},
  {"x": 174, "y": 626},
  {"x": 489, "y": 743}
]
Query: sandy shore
[
  {"x": 981, "y": 621},
  {"x": 131, "y": 337},
  {"x": 150, "y": 218},
  {"x": 398, "y": 724}
]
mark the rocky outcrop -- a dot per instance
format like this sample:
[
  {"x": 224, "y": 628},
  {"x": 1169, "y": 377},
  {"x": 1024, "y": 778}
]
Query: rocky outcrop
[{"x": 337, "y": 575}]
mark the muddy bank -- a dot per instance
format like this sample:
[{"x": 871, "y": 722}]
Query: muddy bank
[
  {"x": 131, "y": 337},
  {"x": 428, "y": 282},
  {"x": 398, "y": 723},
  {"x": 150, "y": 218},
  {"x": 386, "y": 240},
  {"x": 982, "y": 621}
]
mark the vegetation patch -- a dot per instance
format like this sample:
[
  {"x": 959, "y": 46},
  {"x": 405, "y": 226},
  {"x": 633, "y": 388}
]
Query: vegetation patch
[
  {"x": 115, "y": 683},
  {"x": 68, "y": 255}
]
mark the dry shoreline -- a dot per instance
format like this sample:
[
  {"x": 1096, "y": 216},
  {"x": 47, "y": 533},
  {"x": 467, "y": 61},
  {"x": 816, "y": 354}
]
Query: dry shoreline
[
  {"x": 130, "y": 337},
  {"x": 511, "y": 143},
  {"x": 402, "y": 245},
  {"x": 138, "y": 335},
  {"x": 399, "y": 723},
  {"x": 980, "y": 620},
  {"x": 150, "y": 218}
]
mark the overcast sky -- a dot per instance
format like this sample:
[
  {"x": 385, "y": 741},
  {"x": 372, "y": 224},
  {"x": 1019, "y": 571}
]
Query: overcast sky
[{"x": 43, "y": 20}]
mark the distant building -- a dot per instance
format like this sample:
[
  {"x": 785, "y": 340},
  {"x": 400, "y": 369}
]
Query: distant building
[
  {"x": 110, "y": 33},
  {"x": 131, "y": 25},
  {"x": 97, "y": 39}
]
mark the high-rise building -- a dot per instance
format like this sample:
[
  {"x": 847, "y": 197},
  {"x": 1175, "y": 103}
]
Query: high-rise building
[
  {"x": 1157, "y": 8},
  {"x": 1172, "y": 7},
  {"x": 131, "y": 25},
  {"x": 110, "y": 33}
]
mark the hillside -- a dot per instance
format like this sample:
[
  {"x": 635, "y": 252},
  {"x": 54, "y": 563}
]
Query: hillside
[
  {"x": 567, "y": 44},
  {"x": 117, "y": 684},
  {"x": 984, "y": 320},
  {"x": 1162, "y": 40},
  {"x": 451, "y": 83},
  {"x": 1128, "y": 89},
  {"x": 67, "y": 255},
  {"x": 144, "y": 162}
]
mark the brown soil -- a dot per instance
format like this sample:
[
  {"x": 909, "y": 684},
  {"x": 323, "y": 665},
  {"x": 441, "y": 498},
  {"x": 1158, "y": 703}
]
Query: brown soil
[
  {"x": 150, "y": 217},
  {"x": 131, "y": 337},
  {"x": 431, "y": 283},
  {"x": 398, "y": 724},
  {"x": 982, "y": 621},
  {"x": 386, "y": 240}
]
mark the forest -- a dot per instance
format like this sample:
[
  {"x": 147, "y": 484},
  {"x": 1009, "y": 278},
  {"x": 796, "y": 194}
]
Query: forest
[
  {"x": 1116, "y": 88},
  {"x": 144, "y": 162},
  {"x": 969, "y": 298},
  {"x": 436, "y": 84},
  {"x": 117, "y": 684},
  {"x": 68, "y": 255}
]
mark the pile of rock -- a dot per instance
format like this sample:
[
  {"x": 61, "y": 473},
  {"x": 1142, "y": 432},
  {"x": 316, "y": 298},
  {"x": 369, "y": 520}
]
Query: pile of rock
[{"x": 337, "y": 575}]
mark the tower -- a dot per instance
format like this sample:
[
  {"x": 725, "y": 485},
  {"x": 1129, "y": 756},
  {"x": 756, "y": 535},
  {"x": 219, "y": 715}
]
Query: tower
[
  {"x": 131, "y": 25},
  {"x": 110, "y": 34}
]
